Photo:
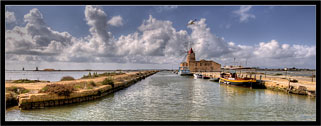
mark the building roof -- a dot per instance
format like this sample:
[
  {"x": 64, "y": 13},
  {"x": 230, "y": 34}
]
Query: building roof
[{"x": 190, "y": 51}]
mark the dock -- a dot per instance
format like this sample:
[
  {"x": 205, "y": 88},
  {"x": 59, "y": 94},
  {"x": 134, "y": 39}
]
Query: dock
[{"x": 303, "y": 86}]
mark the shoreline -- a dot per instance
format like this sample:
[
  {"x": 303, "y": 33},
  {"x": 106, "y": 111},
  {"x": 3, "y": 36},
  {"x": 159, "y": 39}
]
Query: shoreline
[
  {"x": 304, "y": 86},
  {"x": 34, "y": 99}
]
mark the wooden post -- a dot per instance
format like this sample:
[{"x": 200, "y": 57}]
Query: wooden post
[
  {"x": 260, "y": 77},
  {"x": 312, "y": 76}
]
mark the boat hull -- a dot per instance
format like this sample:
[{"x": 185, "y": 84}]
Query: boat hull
[
  {"x": 215, "y": 79},
  {"x": 186, "y": 74},
  {"x": 197, "y": 76},
  {"x": 246, "y": 83}
]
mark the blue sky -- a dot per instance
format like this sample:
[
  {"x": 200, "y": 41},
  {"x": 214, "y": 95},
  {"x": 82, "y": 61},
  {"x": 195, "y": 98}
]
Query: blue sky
[{"x": 292, "y": 25}]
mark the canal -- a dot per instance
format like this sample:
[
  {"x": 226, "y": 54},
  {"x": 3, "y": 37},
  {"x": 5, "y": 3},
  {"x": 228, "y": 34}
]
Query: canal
[{"x": 166, "y": 96}]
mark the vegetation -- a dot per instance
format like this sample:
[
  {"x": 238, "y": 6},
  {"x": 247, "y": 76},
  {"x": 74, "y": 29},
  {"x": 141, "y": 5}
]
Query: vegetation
[
  {"x": 59, "y": 89},
  {"x": 17, "y": 90},
  {"x": 67, "y": 78},
  {"x": 277, "y": 74},
  {"x": 92, "y": 83},
  {"x": 25, "y": 81},
  {"x": 293, "y": 80},
  {"x": 108, "y": 81},
  {"x": 140, "y": 73},
  {"x": 95, "y": 74}
]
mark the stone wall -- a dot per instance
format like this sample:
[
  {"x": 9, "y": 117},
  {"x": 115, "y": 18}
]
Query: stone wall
[
  {"x": 287, "y": 87},
  {"x": 11, "y": 100}
]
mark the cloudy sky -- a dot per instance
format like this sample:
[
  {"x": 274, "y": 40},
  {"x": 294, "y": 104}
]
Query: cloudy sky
[{"x": 135, "y": 37}]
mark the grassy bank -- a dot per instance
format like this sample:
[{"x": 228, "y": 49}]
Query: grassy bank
[{"x": 45, "y": 93}]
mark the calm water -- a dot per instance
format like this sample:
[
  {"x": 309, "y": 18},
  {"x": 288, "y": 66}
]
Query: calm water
[
  {"x": 167, "y": 96},
  {"x": 46, "y": 75}
]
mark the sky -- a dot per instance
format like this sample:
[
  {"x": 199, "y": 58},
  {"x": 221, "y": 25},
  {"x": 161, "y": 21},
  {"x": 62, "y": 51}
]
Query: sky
[{"x": 149, "y": 37}]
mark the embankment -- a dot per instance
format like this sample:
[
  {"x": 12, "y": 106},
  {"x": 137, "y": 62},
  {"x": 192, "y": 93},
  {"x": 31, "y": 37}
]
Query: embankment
[
  {"x": 280, "y": 83},
  {"x": 41, "y": 100},
  {"x": 293, "y": 88}
]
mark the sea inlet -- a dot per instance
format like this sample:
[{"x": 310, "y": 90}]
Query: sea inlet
[{"x": 165, "y": 96}]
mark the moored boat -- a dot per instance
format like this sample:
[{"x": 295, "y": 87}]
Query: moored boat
[
  {"x": 184, "y": 71},
  {"x": 233, "y": 79},
  {"x": 197, "y": 76},
  {"x": 206, "y": 77}
]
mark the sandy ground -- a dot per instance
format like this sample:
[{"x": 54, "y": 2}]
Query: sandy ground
[
  {"x": 34, "y": 87},
  {"x": 302, "y": 80}
]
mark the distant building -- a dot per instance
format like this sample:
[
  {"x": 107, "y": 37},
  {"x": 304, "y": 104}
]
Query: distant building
[
  {"x": 36, "y": 68},
  {"x": 199, "y": 66}
]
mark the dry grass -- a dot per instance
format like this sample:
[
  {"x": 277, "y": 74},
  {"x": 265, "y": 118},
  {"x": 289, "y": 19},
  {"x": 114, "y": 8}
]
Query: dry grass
[
  {"x": 67, "y": 78},
  {"x": 59, "y": 89}
]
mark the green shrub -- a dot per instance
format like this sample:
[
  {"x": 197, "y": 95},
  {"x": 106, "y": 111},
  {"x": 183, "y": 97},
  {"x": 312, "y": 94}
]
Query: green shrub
[
  {"x": 277, "y": 74},
  {"x": 92, "y": 83},
  {"x": 96, "y": 74},
  {"x": 17, "y": 90},
  {"x": 77, "y": 87},
  {"x": 108, "y": 81},
  {"x": 25, "y": 81},
  {"x": 44, "y": 89},
  {"x": 67, "y": 78},
  {"x": 59, "y": 89}
]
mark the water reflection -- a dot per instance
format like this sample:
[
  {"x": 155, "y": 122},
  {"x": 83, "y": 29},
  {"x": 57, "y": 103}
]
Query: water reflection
[{"x": 166, "y": 96}]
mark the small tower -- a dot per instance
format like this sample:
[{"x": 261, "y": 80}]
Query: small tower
[
  {"x": 190, "y": 56},
  {"x": 23, "y": 69},
  {"x": 36, "y": 68}
]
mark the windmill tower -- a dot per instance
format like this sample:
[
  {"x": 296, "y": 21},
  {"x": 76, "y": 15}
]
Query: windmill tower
[{"x": 190, "y": 56}]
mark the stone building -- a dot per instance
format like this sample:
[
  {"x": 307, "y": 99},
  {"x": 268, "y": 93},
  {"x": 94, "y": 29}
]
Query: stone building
[{"x": 199, "y": 66}]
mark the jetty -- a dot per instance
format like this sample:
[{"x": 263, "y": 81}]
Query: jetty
[
  {"x": 35, "y": 99},
  {"x": 301, "y": 85}
]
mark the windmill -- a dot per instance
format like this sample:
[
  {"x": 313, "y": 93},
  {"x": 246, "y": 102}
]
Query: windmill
[{"x": 186, "y": 45}]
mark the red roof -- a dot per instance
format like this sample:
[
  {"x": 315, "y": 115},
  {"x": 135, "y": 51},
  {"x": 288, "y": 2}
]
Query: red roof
[{"x": 190, "y": 51}]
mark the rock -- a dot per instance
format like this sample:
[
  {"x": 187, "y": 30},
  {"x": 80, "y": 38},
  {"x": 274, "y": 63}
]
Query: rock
[{"x": 302, "y": 90}]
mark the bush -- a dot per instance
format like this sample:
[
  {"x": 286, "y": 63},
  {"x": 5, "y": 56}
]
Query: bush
[
  {"x": 59, "y": 89},
  {"x": 17, "y": 90},
  {"x": 277, "y": 74},
  {"x": 67, "y": 78},
  {"x": 92, "y": 83},
  {"x": 25, "y": 81},
  {"x": 293, "y": 80},
  {"x": 108, "y": 81},
  {"x": 96, "y": 75}
]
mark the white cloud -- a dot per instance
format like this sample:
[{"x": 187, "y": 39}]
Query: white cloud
[
  {"x": 116, "y": 21},
  {"x": 166, "y": 8},
  {"x": 243, "y": 13},
  {"x": 274, "y": 50},
  {"x": 205, "y": 43},
  {"x": 36, "y": 38},
  {"x": 155, "y": 41},
  {"x": 10, "y": 17}
]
